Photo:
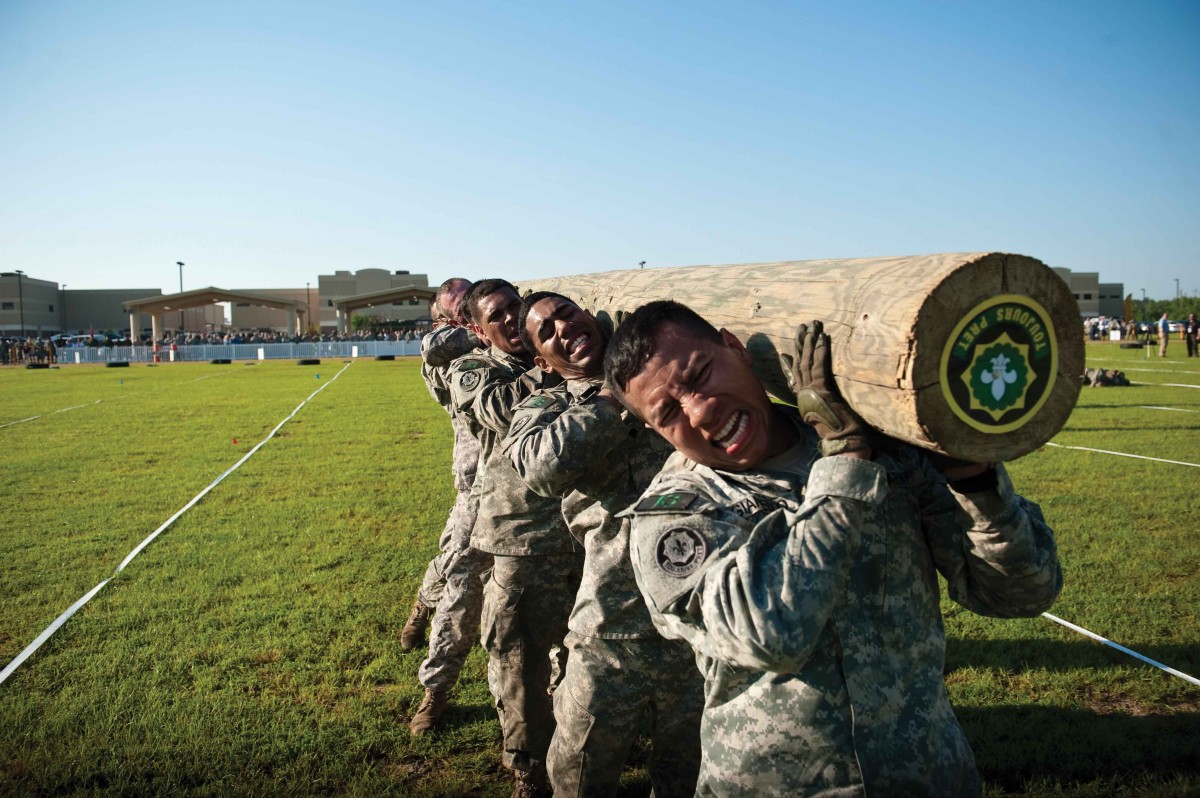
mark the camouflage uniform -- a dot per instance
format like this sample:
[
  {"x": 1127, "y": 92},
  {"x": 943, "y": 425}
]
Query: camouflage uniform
[
  {"x": 809, "y": 590},
  {"x": 528, "y": 598},
  {"x": 622, "y": 676},
  {"x": 452, "y": 586}
]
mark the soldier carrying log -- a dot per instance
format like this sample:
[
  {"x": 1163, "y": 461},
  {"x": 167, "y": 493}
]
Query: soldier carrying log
[{"x": 797, "y": 551}]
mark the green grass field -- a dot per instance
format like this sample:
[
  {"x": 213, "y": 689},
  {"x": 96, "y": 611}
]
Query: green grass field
[{"x": 252, "y": 648}]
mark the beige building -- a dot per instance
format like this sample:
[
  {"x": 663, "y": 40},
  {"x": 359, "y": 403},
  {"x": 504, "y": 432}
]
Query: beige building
[
  {"x": 340, "y": 284},
  {"x": 245, "y": 316},
  {"x": 98, "y": 310},
  {"x": 1094, "y": 297},
  {"x": 322, "y": 298},
  {"x": 28, "y": 306}
]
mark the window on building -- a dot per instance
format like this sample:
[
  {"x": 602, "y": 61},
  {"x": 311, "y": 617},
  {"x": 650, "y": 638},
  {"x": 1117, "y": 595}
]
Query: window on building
[
  {"x": 1077, "y": 297},
  {"x": 51, "y": 308},
  {"x": 413, "y": 302},
  {"x": 8, "y": 306},
  {"x": 1087, "y": 296},
  {"x": 330, "y": 301}
]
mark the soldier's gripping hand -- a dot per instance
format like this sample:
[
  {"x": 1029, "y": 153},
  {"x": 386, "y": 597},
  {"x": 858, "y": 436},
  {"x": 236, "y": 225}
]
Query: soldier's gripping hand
[{"x": 809, "y": 371}]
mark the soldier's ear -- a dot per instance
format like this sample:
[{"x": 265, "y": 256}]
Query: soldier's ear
[
  {"x": 479, "y": 333},
  {"x": 541, "y": 363},
  {"x": 735, "y": 343}
]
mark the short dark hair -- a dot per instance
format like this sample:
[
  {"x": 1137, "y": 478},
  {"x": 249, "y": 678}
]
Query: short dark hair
[
  {"x": 632, "y": 345},
  {"x": 443, "y": 291},
  {"x": 528, "y": 302},
  {"x": 479, "y": 291}
]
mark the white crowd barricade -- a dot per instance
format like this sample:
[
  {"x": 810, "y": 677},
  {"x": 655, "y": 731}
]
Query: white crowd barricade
[{"x": 253, "y": 351}]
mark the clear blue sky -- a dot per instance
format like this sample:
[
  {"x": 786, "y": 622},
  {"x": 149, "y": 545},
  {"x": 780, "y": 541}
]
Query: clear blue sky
[{"x": 264, "y": 143}]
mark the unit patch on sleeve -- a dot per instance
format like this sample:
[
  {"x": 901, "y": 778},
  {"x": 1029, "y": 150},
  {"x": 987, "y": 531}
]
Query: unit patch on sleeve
[
  {"x": 680, "y": 551},
  {"x": 666, "y": 503},
  {"x": 469, "y": 381}
]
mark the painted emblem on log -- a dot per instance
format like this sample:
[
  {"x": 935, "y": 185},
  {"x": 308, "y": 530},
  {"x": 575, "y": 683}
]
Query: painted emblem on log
[{"x": 1000, "y": 363}]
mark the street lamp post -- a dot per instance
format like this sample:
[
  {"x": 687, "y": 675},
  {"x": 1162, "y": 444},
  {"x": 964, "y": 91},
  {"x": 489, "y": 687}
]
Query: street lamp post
[
  {"x": 179, "y": 263},
  {"x": 62, "y": 306},
  {"x": 21, "y": 300},
  {"x": 308, "y": 307},
  {"x": 1177, "y": 288}
]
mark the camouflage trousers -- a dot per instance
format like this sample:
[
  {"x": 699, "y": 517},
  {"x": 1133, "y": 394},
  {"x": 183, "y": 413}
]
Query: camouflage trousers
[
  {"x": 613, "y": 691},
  {"x": 526, "y": 604},
  {"x": 455, "y": 537},
  {"x": 453, "y": 588}
]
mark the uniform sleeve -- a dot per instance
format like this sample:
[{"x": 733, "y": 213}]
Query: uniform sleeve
[
  {"x": 994, "y": 548},
  {"x": 551, "y": 443},
  {"x": 435, "y": 382},
  {"x": 757, "y": 598},
  {"x": 497, "y": 399},
  {"x": 446, "y": 344},
  {"x": 488, "y": 394}
]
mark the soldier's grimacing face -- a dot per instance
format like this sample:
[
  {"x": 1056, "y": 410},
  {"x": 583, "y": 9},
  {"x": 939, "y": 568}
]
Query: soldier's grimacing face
[
  {"x": 496, "y": 320},
  {"x": 567, "y": 339},
  {"x": 704, "y": 399}
]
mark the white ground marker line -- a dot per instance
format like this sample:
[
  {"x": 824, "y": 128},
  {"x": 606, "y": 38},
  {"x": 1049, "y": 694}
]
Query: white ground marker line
[
  {"x": 1179, "y": 385},
  {"x": 62, "y": 619},
  {"x": 22, "y": 421},
  {"x": 1120, "y": 647},
  {"x": 76, "y": 407},
  {"x": 1175, "y": 409},
  {"x": 1124, "y": 454},
  {"x": 35, "y": 418}
]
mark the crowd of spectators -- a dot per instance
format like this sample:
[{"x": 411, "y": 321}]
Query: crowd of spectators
[
  {"x": 18, "y": 350},
  {"x": 272, "y": 337},
  {"x": 1100, "y": 328},
  {"x": 29, "y": 350}
]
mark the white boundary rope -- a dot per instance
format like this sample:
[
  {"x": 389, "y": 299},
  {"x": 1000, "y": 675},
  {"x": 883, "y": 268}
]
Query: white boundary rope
[
  {"x": 1122, "y": 648},
  {"x": 35, "y": 418},
  {"x": 1176, "y": 409},
  {"x": 1124, "y": 454},
  {"x": 62, "y": 619}
]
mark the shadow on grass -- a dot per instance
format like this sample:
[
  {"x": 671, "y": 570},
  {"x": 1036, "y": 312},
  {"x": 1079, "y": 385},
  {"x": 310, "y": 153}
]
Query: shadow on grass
[
  {"x": 1057, "y": 655},
  {"x": 1078, "y": 746}
]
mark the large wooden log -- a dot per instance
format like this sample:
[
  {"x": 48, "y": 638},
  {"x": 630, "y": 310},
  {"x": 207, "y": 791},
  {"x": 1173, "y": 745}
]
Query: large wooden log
[{"x": 978, "y": 355}]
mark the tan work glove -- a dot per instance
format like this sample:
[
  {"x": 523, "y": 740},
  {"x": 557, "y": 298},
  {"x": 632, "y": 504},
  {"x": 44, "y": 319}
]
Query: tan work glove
[{"x": 809, "y": 371}]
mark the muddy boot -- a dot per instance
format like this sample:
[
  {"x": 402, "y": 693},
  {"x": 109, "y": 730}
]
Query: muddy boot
[
  {"x": 431, "y": 709},
  {"x": 531, "y": 784},
  {"x": 413, "y": 633}
]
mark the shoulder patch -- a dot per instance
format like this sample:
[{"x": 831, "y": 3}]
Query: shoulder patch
[
  {"x": 537, "y": 401},
  {"x": 467, "y": 365},
  {"x": 666, "y": 502},
  {"x": 469, "y": 381},
  {"x": 680, "y": 551},
  {"x": 521, "y": 423}
]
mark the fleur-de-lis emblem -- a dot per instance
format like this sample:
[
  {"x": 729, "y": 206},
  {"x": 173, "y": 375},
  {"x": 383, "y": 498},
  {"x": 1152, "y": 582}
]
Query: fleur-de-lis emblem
[{"x": 999, "y": 377}]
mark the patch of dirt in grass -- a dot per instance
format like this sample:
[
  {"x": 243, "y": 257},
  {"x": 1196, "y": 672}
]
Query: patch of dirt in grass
[{"x": 1118, "y": 704}]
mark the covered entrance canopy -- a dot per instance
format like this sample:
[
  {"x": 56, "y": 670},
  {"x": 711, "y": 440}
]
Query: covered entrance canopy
[
  {"x": 346, "y": 305},
  {"x": 157, "y": 305}
]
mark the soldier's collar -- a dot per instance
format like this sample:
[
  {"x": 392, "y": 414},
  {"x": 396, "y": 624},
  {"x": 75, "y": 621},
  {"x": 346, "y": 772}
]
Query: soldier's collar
[
  {"x": 584, "y": 388},
  {"x": 508, "y": 358}
]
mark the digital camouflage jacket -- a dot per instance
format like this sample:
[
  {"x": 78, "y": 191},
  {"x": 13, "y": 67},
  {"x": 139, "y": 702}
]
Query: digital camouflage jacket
[
  {"x": 568, "y": 442},
  {"x": 485, "y": 388},
  {"x": 438, "y": 349},
  {"x": 809, "y": 590}
]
